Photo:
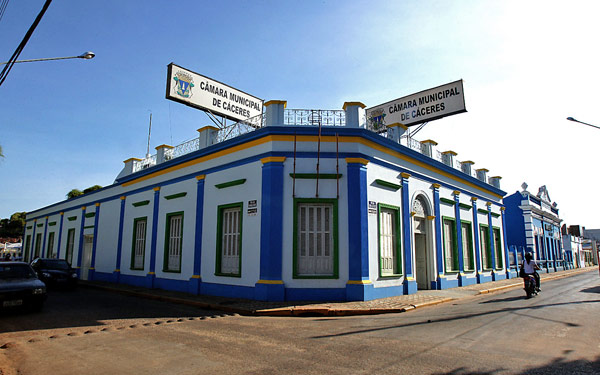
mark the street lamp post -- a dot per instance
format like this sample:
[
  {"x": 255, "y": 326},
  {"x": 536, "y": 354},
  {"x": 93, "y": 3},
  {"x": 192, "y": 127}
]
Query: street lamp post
[
  {"x": 581, "y": 122},
  {"x": 86, "y": 55}
]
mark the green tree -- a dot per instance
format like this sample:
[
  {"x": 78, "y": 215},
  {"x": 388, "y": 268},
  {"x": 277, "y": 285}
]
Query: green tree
[
  {"x": 92, "y": 188},
  {"x": 14, "y": 226},
  {"x": 74, "y": 193}
]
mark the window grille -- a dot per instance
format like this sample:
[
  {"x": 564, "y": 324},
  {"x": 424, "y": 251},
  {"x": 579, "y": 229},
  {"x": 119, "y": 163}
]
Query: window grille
[
  {"x": 230, "y": 240},
  {"x": 174, "y": 243},
  {"x": 139, "y": 244},
  {"x": 388, "y": 242},
  {"x": 315, "y": 239}
]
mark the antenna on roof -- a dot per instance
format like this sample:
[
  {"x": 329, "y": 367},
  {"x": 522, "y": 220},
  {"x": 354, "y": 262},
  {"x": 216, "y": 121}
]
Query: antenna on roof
[{"x": 149, "y": 130}]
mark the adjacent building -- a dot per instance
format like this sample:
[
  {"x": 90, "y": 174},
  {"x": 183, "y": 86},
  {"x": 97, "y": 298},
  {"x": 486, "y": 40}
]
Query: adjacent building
[
  {"x": 580, "y": 245},
  {"x": 533, "y": 224},
  {"x": 296, "y": 205}
]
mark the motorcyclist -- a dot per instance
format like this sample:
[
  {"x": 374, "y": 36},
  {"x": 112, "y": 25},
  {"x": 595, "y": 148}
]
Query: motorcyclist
[{"x": 529, "y": 268}]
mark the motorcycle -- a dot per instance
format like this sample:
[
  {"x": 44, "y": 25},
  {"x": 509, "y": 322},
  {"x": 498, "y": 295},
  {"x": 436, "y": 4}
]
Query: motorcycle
[{"x": 529, "y": 285}]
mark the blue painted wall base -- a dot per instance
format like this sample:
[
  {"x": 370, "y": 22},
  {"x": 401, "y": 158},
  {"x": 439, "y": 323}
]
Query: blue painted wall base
[
  {"x": 234, "y": 291},
  {"x": 194, "y": 285},
  {"x": 512, "y": 274},
  {"x": 105, "y": 276},
  {"x": 447, "y": 283},
  {"x": 134, "y": 280},
  {"x": 150, "y": 281},
  {"x": 498, "y": 275},
  {"x": 269, "y": 292},
  {"x": 315, "y": 294},
  {"x": 170, "y": 284},
  {"x": 410, "y": 286},
  {"x": 358, "y": 292},
  {"x": 384, "y": 292},
  {"x": 91, "y": 273},
  {"x": 481, "y": 278},
  {"x": 466, "y": 280}
]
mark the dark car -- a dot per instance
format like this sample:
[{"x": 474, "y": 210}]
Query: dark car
[
  {"x": 55, "y": 272},
  {"x": 20, "y": 287}
]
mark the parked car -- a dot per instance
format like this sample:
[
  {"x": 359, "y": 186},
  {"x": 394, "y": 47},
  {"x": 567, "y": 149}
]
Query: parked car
[
  {"x": 55, "y": 272},
  {"x": 20, "y": 287}
]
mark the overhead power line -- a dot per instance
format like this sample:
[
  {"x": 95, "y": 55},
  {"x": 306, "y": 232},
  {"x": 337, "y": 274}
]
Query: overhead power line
[
  {"x": 3, "y": 8},
  {"x": 21, "y": 46}
]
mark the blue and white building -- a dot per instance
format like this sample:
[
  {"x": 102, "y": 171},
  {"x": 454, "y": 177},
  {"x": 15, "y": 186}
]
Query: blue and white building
[
  {"x": 281, "y": 209},
  {"x": 533, "y": 224}
]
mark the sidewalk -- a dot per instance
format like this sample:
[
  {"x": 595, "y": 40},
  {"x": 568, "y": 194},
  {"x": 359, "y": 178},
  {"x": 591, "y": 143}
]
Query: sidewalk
[{"x": 379, "y": 306}]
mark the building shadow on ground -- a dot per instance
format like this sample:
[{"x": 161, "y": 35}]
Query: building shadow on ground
[
  {"x": 557, "y": 366},
  {"x": 87, "y": 307},
  {"x": 595, "y": 289}
]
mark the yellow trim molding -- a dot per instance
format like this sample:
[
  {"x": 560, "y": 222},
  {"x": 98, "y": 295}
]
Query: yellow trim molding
[
  {"x": 357, "y": 161},
  {"x": 206, "y": 128},
  {"x": 436, "y": 186},
  {"x": 359, "y": 282},
  {"x": 270, "y": 282},
  {"x": 284, "y": 102},
  {"x": 310, "y": 138},
  {"x": 473, "y": 199},
  {"x": 397, "y": 124},
  {"x": 404, "y": 175},
  {"x": 117, "y": 270},
  {"x": 449, "y": 152},
  {"x": 151, "y": 273},
  {"x": 163, "y": 146},
  {"x": 428, "y": 141},
  {"x": 482, "y": 169},
  {"x": 502, "y": 208},
  {"x": 431, "y": 217},
  {"x": 456, "y": 192},
  {"x": 156, "y": 188},
  {"x": 98, "y": 204},
  {"x": 196, "y": 277},
  {"x": 123, "y": 197},
  {"x": 273, "y": 159},
  {"x": 468, "y": 162},
  {"x": 200, "y": 177},
  {"x": 348, "y": 104},
  {"x": 131, "y": 159}
]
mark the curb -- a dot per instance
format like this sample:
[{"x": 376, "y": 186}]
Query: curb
[
  {"x": 182, "y": 301},
  {"x": 301, "y": 311}
]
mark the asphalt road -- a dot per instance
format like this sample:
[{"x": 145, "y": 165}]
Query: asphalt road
[{"x": 96, "y": 332}]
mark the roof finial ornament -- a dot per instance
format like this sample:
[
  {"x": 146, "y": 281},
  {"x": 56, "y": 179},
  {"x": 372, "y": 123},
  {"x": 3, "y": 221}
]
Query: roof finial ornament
[{"x": 524, "y": 186}]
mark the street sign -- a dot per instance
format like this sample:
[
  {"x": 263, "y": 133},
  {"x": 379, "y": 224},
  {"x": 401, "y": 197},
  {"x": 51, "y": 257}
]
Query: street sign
[
  {"x": 204, "y": 93},
  {"x": 427, "y": 105}
]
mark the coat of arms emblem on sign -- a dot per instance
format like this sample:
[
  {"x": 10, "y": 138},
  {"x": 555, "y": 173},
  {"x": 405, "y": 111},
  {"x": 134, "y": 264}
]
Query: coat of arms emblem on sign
[{"x": 184, "y": 83}]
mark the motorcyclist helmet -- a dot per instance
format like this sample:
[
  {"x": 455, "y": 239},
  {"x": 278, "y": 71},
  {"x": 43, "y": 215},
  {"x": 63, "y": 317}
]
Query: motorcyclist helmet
[{"x": 528, "y": 256}]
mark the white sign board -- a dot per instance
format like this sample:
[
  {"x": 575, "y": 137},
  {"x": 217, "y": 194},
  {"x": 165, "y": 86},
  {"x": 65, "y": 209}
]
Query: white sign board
[
  {"x": 427, "y": 105},
  {"x": 201, "y": 92}
]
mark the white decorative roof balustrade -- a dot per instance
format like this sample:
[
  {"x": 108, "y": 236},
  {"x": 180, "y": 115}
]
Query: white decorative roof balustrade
[
  {"x": 306, "y": 117},
  {"x": 314, "y": 117}
]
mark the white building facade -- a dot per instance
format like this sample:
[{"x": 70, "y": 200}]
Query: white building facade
[{"x": 286, "y": 212}]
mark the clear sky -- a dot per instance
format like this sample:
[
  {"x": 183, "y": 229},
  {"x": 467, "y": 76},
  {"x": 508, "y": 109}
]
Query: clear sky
[{"x": 526, "y": 66}]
